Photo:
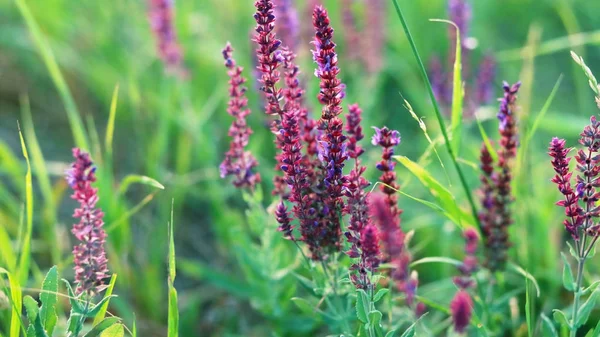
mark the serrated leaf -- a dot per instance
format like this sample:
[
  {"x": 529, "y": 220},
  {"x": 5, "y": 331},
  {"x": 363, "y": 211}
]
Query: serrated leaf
[
  {"x": 116, "y": 330},
  {"x": 567, "y": 275},
  {"x": 102, "y": 326},
  {"x": 35, "y": 323},
  {"x": 548, "y": 327},
  {"x": 379, "y": 295},
  {"x": 586, "y": 309},
  {"x": 362, "y": 305},
  {"x": 560, "y": 318},
  {"x": 49, "y": 299}
]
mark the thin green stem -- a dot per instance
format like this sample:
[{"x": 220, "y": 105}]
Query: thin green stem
[
  {"x": 577, "y": 295},
  {"x": 439, "y": 116}
]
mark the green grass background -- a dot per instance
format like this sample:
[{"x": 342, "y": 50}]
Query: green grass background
[{"x": 176, "y": 132}]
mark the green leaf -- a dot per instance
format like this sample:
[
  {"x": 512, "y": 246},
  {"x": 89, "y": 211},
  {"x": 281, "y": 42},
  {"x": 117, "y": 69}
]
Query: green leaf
[
  {"x": 591, "y": 288},
  {"x": 379, "y": 295},
  {"x": 528, "y": 308},
  {"x": 567, "y": 275},
  {"x": 486, "y": 140},
  {"x": 116, "y": 330},
  {"x": 375, "y": 318},
  {"x": 303, "y": 305},
  {"x": 173, "y": 314},
  {"x": 102, "y": 312},
  {"x": 391, "y": 333},
  {"x": 138, "y": 179},
  {"x": 134, "y": 327},
  {"x": 74, "y": 300},
  {"x": 436, "y": 259},
  {"x": 444, "y": 197},
  {"x": 110, "y": 127},
  {"x": 35, "y": 323},
  {"x": 560, "y": 318},
  {"x": 102, "y": 326},
  {"x": 49, "y": 299},
  {"x": 548, "y": 327},
  {"x": 17, "y": 303},
  {"x": 586, "y": 309},
  {"x": 96, "y": 308},
  {"x": 596, "y": 332},
  {"x": 362, "y": 305},
  {"x": 25, "y": 259}
]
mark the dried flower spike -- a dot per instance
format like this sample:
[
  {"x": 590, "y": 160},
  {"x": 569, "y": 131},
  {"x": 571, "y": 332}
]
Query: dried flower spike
[
  {"x": 238, "y": 162},
  {"x": 90, "y": 257}
]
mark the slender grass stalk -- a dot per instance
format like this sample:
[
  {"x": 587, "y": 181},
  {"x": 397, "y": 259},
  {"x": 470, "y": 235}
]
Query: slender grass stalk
[{"x": 438, "y": 115}]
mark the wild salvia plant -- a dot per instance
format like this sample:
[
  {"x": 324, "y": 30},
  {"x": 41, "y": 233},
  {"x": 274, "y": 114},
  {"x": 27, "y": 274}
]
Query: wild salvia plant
[
  {"x": 496, "y": 178},
  {"x": 161, "y": 17},
  {"x": 461, "y": 306}
]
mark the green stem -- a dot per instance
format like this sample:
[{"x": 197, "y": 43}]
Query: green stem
[
  {"x": 439, "y": 116},
  {"x": 577, "y": 295}
]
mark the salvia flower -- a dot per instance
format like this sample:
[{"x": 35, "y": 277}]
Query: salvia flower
[
  {"x": 470, "y": 264},
  {"x": 91, "y": 268},
  {"x": 332, "y": 142},
  {"x": 361, "y": 234},
  {"x": 392, "y": 239},
  {"x": 388, "y": 139},
  {"x": 580, "y": 205},
  {"x": 160, "y": 13},
  {"x": 288, "y": 26},
  {"x": 496, "y": 215},
  {"x": 461, "y": 308},
  {"x": 484, "y": 84},
  {"x": 238, "y": 162},
  {"x": 351, "y": 34},
  {"x": 562, "y": 179},
  {"x": 269, "y": 55}
]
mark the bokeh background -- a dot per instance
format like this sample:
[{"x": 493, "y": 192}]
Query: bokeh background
[{"x": 174, "y": 130}]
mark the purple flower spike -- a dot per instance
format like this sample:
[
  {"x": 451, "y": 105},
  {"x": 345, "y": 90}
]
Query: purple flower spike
[
  {"x": 91, "y": 268},
  {"x": 388, "y": 139},
  {"x": 160, "y": 13},
  {"x": 238, "y": 162}
]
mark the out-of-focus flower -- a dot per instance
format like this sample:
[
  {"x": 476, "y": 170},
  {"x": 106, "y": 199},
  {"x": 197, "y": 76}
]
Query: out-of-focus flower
[
  {"x": 160, "y": 13},
  {"x": 238, "y": 162},
  {"x": 461, "y": 308},
  {"x": 91, "y": 268},
  {"x": 287, "y": 27}
]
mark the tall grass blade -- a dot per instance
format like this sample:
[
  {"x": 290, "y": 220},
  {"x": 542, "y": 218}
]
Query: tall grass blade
[
  {"x": 47, "y": 55},
  {"x": 110, "y": 128},
  {"x": 16, "y": 324},
  {"x": 173, "y": 319},
  {"x": 457, "y": 91},
  {"x": 25, "y": 258},
  {"x": 438, "y": 114},
  {"x": 41, "y": 172},
  {"x": 102, "y": 313}
]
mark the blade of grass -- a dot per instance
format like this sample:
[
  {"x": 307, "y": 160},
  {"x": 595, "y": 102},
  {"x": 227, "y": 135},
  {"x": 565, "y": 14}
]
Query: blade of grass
[
  {"x": 551, "y": 46},
  {"x": 110, "y": 128},
  {"x": 47, "y": 55},
  {"x": 544, "y": 110},
  {"x": 457, "y": 91},
  {"x": 25, "y": 258},
  {"x": 173, "y": 320},
  {"x": 16, "y": 300},
  {"x": 102, "y": 313},
  {"x": 438, "y": 114},
  {"x": 39, "y": 167}
]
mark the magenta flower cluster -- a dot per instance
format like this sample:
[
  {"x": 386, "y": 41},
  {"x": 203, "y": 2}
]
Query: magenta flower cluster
[
  {"x": 580, "y": 204},
  {"x": 461, "y": 305},
  {"x": 91, "y": 268},
  {"x": 238, "y": 162},
  {"x": 495, "y": 215}
]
